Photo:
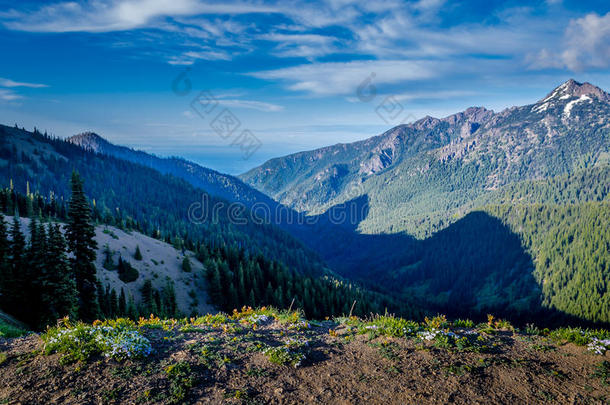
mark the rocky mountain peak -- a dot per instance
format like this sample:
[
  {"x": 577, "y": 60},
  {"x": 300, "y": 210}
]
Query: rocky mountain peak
[
  {"x": 90, "y": 141},
  {"x": 470, "y": 115},
  {"x": 572, "y": 88}
]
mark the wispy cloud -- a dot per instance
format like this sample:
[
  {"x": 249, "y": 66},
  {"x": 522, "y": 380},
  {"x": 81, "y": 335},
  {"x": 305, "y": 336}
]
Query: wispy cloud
[
  {"x": 188, "y": 58},
  {"x": 11, "y": 83},
  {"x": 116, "y": 15},
  {"x": 338, "y": 43},
  {"x": 334, "y": 78},
  {"x": 9, "y": 95},
  {"x": 252, "y": 105},
  {"x": 302, "y": 45}
]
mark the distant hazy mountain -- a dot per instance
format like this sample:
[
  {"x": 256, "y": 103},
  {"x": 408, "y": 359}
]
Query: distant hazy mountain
[
  {"x": 128, "y": 190},
  {"x": 417, "y": 177},
  {"x": 215, "y": 183}
]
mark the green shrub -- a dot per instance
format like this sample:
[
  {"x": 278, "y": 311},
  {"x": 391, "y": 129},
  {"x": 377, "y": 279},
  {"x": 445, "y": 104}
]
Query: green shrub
[
  {"x": 531, "y": 329},
  {"x": 602, "y": 371},
  {"x": 437, "y": 322},
  {"x": 388, "y": 325},
  {"x": 118, "y": 339},
  {"x": 292, "y": 352},
  {"x": 181, "y": 381},
  {"x": 186, "y": 265},
  {"x": 127, "y": 273},
  {"x": 577, "y": 336},
  {"x": 463, "y": 323},
  {"x": 10, "y": 331}
]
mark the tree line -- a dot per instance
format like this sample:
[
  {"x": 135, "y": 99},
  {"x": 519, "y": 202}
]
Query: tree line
[{"x": 52, "y": 273}]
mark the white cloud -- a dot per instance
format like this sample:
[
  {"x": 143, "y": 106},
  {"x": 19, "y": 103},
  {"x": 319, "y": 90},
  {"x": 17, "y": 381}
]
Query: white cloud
[
  {"x": 117, "y": 15},
  {"x": 188, "y": 58},
  {"x": 9, "y": 95},
  {"x": 301, "y": 45},
  {"x": 11, "y": 83},
  {"x": 250, "y": 104},
  {"x": 344, "y": 78},
  {"x": 585, "y": 45},
  {"x": 588, "y": 43}
]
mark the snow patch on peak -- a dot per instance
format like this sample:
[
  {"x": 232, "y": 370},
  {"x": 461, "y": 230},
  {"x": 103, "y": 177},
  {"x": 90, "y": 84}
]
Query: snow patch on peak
[
  {"x": 568, "y": 108},
  {"x": 540, "y": 107},
  {"x": 571, "y": 89}
]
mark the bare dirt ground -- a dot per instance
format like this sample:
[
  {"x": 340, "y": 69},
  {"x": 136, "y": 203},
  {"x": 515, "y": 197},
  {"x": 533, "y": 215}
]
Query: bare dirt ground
[{"x": 227, "y": 363}]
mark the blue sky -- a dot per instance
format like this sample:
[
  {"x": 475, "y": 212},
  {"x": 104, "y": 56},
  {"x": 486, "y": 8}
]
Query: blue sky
[{"x": 297, "y": 75}]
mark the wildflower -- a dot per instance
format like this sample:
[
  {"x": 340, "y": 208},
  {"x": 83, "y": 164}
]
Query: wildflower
[
  {"x": 428, "y": 335},
  {"x": 599, "y": 346}
]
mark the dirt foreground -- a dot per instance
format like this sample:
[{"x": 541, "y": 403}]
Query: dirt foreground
[{"x": 336, "y": 363}]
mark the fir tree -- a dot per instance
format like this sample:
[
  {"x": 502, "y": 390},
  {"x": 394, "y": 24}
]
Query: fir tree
[
  {"x": 80, "y": 233},
  {"x": 132, "y": 309},
  {"x": 59, "y": 296},
  {"x": 114, "y": 304},
  {"x": 215, "y": 288},
  {"x": 16, "y": 285},
  {"x": 148, "y": 301},
  {"x": 138, "y": 254},
  {"x": 5, "y": 270},
  {"x": 108, "y": 263},
  {"x": 37, "y": 273},
  {"x": 169, "y": 300},
  {"x": 122, "y": 303},
  {"x": 251, "y": 299},
  {"x": 186, "y": 265}
]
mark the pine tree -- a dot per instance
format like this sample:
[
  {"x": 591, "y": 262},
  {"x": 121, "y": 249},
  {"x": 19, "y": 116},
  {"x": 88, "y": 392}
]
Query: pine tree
[
  {"x": 122, "y": 303},
  {"x": 16, "y": 285},
  {"x": 5, "y": 270},
  {"x": 148, "y": 301},
  {"x": 80, "y": 233},
  {"x": 103, "y": 295},
  {"x": 108, "y": 263},
  {"x": 269, "y": 294},
  {"x": 37, "y": 273},
  {"x": 186, "y": 265},
  {"x": 233, "y": 300},
  {"x": 132, "y": 310},
  {"x": 214, "y": 286},
  {"x": 169, "y": 300},
  {"x": 138, "y": 254},
  {"x": 114, "y": 304},
  {"x": 251, "y": 299},
  {"x": 59, "y": 296}
]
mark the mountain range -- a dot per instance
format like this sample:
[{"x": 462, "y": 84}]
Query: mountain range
[
  {"x": 477, "y": 212},
  {"x": 419, "y": 176}
]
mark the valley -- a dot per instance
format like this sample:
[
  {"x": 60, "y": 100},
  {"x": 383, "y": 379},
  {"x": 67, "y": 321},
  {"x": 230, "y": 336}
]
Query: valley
[
  {"x": 431, "y": 187},
  {"x": 304, "y": 202}
]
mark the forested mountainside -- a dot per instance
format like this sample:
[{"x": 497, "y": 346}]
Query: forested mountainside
[
  {"x": 217, "y": 184},
  {"x": 514, "y": 224},
  {"x": 418, "y": 176},
  {"x": 138, "y": 194},
  {"x": 504, "y": 211},
  {"x": 239, "y": 266}
]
